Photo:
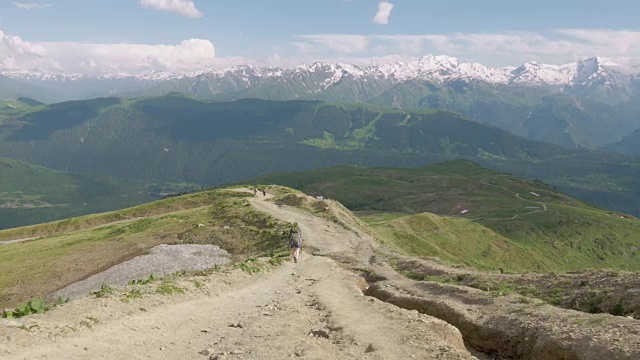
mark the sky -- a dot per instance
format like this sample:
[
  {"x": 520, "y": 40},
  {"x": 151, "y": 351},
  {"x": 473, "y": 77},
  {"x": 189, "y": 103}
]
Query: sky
[{"x": 134, "y": 36}]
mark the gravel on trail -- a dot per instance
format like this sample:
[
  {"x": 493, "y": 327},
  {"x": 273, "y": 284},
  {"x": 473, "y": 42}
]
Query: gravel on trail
[{"x": 161, "y": 260}]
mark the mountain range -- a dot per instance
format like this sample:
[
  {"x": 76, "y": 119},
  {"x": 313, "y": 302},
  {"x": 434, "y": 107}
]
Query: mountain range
[
  {"x": 589, "y": 104},
  {"x": 592, "y": 72},
  {"x": 176, "y": 138}
]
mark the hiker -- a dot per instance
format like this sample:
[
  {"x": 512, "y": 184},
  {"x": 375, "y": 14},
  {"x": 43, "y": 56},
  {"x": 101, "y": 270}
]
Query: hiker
[
  {"x": 264, "y": 192},
  {"x": 295, "y": 241},
  {"x": 255, "y": 192}
]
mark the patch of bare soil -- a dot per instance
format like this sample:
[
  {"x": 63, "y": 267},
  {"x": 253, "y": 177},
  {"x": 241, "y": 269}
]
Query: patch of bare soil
[
  {"x": 609, "y": 292},
  {"x": 512, "y": 326}
]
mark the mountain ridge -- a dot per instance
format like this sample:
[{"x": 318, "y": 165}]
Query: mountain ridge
[
  {"x": 602, "y": 97},
  {"x": 438, "y": 68}
]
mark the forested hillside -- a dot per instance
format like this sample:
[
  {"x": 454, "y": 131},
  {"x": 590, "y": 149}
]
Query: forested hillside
[
  {"x": 32, "y": 194},
  {"x": 177, "y": 138}
]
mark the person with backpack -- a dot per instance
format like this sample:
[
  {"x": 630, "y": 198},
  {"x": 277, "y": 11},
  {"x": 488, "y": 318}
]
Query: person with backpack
[{"x": 295, "y": 241}]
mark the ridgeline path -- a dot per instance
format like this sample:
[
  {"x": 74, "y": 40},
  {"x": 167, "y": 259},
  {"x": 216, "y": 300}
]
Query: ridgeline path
[
  {"x": 544, "y": 206},
  {"x": 317, "y": 309},
  {"x": 314, "y": 309}
]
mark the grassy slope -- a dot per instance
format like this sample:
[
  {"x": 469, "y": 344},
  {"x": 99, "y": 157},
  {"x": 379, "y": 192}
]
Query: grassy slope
[
  {"x": 31, "y": 194},
  {"x": 73, "y": 249},
  {"x": 499, "y": 229},
  {"x": 453, "y": 240},
  {"x": 10, "y": 108}
]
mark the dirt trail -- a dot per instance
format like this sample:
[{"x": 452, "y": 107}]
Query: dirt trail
[
  {"x": 7, "y": 242},
  {"x": 13, "y": 241},
  {"x": 544, "y": 206},
  {"x": 325, "y": 238},
  {"x": 312, "y": 310}
]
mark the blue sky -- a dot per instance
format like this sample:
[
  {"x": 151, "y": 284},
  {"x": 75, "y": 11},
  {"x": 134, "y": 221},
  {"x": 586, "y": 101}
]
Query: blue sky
[{"x": 180, "y": 35}]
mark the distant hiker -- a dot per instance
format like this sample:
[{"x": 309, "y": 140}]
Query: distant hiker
[
  {"x": 295, "y": 241},
  {"x": 264, "y": 192},
  {"x": 255, "y": 192}
]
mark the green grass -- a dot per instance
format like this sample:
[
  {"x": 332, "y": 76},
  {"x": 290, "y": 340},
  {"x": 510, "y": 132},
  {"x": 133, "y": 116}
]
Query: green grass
[
  {"x": 504, "y": 224},
  {"x": 34, "y": 306},
  {"x": 456, "y": 241},
  {"x": 168, "y": 288}
]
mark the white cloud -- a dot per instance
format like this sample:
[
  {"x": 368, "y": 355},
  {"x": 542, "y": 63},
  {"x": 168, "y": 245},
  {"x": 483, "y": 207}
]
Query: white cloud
[
  {"x": 31, "y": 6},
  {"x": 494, "y": 49},
  {"x": 93, "y": 58},
  {"x": 183, "y": 7},
  {"x": 491, "y": 49},
  {"x": 384, "y": 12}
]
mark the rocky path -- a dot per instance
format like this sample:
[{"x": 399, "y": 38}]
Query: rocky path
[
  {"x": 162, "y": 260},
  {"x": 312, "y": 310}
]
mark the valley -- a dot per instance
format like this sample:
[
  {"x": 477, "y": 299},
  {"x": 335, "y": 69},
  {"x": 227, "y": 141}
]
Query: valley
[
  {"x": 31, "y": 194},
  {"x": 182, "y": 140}
]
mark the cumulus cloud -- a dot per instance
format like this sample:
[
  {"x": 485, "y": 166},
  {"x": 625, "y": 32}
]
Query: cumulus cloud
[
  {"x": 495, "y": 49},
  {"x": 183, "y": 7},
  {"x": 31, "y": 6},
  {"x": 94, "y": 58},
  {"x": 384, "y": 12}
]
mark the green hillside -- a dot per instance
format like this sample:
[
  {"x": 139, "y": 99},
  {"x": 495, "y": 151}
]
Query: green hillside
[
  {"x": 31, "y": 194},
  {"x": 483, "y": 218},
  {"x": 10, "y": 109},
  {"x": 630, "y": 145},
  {"x": 575, "y": 119},
  {"x": 14, "y": 89},
  {"x": 181, "y": 139},
  {"x": 176, "y": 138},
  {"x": 454, "y": 240},
  {"x": 73, "y": 249},
  {"x": 536, "y": 114}
]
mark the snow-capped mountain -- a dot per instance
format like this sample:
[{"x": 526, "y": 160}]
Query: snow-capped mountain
[
  {"x": 320, "y": 78},
  {"x": 589, "y": 103},
  {"x": 428, "y": 68},
  {"x": 441, "y": 69}
]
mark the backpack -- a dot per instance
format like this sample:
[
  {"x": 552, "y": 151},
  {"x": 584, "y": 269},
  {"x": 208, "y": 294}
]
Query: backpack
[{"x": 295, "y": 238}]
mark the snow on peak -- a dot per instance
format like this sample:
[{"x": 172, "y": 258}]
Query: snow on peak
[
  {"x": 598, "y": 71},
  {"x": 433, "y": 68},
  {"x": 536, "y": 74}
]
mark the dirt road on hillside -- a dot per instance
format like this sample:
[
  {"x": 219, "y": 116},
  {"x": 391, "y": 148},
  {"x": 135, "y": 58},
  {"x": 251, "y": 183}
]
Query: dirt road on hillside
[{"x": 311, "y": 310}]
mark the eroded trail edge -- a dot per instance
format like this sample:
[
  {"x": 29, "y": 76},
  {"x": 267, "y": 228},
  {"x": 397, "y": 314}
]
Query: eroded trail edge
[{"x": 504, "y": 326}]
